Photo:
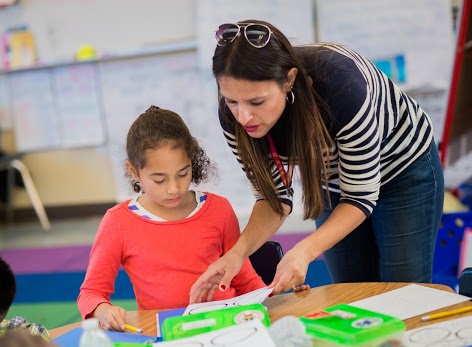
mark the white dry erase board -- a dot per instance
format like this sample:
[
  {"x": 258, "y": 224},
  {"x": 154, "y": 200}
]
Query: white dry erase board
[
  {"x": 57, "y": 107},
  {"x": 34, "y": 109},
  {"x": 78, "y": 105}
]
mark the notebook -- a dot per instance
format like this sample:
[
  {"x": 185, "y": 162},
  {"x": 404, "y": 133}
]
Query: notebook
[{"x": 160, "y": 316}]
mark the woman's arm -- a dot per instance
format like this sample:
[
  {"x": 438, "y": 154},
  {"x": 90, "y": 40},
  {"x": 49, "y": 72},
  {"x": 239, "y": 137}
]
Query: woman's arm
[
  {"x": 293, "y": 267},
  {"x": 247, "y": 279},
  {"x": 263, "y": 223}
]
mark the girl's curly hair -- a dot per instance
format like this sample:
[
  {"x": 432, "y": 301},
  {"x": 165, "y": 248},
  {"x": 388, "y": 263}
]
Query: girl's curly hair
[{"x": 158, "y": 127}]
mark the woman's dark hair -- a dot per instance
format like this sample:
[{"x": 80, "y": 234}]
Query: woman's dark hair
[
  {"x": 157, "y": 128},
  {"x": 7, "y": 288},
  {"x": 240, "y": 60}
]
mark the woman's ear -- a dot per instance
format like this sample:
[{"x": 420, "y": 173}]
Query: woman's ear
[
  {"x": 291, "y": 77},
  {"x": 131, "y": 171}
]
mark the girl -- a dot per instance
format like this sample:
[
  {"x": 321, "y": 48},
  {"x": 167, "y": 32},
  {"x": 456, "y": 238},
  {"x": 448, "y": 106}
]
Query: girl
[{"x": 167, "y": 236}]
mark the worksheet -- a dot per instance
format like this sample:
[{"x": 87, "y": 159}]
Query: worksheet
[
  {"x": 454, "y": 332},
  {"x": 249, "y": 334},
  {"x": 254, "y": 297},
  {"x": 410, "y": 301}
]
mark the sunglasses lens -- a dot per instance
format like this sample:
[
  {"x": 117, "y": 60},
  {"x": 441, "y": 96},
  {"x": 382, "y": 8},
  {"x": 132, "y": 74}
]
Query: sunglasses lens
[
  {"x": 226, "y": 33},
  {"x": 257, "y": 35}
]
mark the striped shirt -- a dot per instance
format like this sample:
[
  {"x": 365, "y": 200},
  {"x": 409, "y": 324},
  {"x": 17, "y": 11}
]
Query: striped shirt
[{"x": 377, "y": 130}]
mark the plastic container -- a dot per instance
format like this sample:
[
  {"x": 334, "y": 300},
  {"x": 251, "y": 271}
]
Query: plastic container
[
  {"x": 288, "y": 331},
  {"x": 93, "y": 336},
  {"x": 198, "y": 323},
  {"x": 346, "y": 325}
]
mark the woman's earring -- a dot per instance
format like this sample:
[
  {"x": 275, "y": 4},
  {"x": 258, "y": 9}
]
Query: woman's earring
[
  {"x": 136, "y": 187},
  {"x": 290, "y": 97}
]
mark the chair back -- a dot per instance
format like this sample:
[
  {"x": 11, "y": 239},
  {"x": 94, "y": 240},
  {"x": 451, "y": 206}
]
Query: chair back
[
  {"x": 265, "y": 260},
  {"x": 465, "y": 282}
]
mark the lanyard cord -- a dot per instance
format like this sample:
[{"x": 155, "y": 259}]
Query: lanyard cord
[{"x": 275, "y": 156}]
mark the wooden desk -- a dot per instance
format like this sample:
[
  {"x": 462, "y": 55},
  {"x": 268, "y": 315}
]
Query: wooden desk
[{"x": 297, "y": 304}]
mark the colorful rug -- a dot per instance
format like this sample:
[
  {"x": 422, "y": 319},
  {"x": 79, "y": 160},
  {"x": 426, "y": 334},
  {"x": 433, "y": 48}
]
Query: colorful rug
[{"x": 48, "y": 281}]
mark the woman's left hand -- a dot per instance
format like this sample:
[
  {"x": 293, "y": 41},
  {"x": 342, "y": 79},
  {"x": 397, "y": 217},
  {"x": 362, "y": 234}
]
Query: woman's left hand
[{"x": 291, "y": 270}]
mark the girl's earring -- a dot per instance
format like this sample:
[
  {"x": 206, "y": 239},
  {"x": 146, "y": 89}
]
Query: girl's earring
[
  {"x": 136, "y": 187},
  {"x": 290, "y": 97}
]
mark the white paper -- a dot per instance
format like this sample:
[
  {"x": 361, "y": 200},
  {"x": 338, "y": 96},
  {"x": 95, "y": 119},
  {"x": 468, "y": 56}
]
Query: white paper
[
  {"x": 410, "y": 301},
  {"x": 78, "y": 105},
  {"x": 255, "y": 297},
  {"x": 34, "y": 110},
  {"x": 455, "y": 332},
  {"x": 249, "y": 334}
]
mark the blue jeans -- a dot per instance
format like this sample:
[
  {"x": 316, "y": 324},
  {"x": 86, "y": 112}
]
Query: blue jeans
[{"x": 396, "y": 243}]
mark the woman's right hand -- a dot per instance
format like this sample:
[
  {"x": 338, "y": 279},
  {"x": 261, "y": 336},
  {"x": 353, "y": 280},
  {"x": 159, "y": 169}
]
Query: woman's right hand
[
  {"x": 218, "y": 275},
  {"x": 110, "y": 317}
]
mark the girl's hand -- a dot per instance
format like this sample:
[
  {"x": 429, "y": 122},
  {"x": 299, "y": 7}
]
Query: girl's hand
[
  {"x": 110, "y": 317},
  {"x": 291, "y": 271},
  {"x": 218, "y": 275}
]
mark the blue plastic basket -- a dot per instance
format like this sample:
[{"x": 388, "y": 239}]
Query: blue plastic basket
[{"x": 448, "y": 244}]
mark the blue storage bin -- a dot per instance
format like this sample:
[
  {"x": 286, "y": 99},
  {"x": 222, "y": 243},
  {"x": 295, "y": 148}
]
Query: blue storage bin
[
  {"x": 464, "y": 192},
  {"x": 448, "y": 244}
]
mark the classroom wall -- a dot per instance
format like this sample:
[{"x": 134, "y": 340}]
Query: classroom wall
[
  {"x": 128, "y": 80},
  {"x": 84, "y": 175},
  {"x": 60, "y": 27},
  {"x": 94, "y": 174}
]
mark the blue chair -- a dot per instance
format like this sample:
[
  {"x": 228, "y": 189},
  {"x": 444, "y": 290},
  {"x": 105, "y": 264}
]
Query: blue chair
[
  {"x": 265, "y": 260},
  {"x": 465, "y": 282}
]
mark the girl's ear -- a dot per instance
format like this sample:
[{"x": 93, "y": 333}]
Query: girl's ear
[
  {"x": 132, "y": 171},
  {"x": 291, "y": 76}
]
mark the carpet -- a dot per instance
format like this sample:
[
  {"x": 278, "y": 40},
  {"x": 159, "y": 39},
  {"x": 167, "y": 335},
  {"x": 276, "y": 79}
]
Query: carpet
[{"x": 48, "y": 281}]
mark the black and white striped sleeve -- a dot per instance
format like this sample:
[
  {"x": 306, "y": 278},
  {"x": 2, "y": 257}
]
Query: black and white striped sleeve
[{"x": 358, "y": 140}]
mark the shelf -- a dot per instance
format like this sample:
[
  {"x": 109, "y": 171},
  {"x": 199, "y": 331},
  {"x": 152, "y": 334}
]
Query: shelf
[{"x": 173, "y": 47}]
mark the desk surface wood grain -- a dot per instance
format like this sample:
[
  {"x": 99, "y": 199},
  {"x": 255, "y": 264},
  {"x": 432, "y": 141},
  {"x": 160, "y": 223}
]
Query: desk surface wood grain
[{"x": 297, "y": 304}]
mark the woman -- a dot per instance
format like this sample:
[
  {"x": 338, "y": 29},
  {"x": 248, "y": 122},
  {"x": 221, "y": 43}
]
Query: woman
[{"x": 353, "y": 133}]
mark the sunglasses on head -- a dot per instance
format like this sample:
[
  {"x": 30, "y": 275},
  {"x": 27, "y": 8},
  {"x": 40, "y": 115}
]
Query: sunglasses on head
[{"x": 258, "y": 35}]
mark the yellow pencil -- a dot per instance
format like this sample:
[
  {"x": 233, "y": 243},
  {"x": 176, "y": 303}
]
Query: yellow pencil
[
  {"x": 132, "y": 328},
  {"x": 446, "y": 313}
]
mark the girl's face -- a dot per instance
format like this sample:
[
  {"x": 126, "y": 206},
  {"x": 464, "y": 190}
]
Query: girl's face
[
  {"x": 165, "y": 178},
  {"x": 256, "y": 105}
]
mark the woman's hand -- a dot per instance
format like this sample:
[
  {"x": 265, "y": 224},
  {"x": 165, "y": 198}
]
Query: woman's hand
[
  {"x": 301, "y": 288},
  {"x": 291, "y": 270},
  {"x": 218, "y": 275},
  {"x": 110, "y": 317}
]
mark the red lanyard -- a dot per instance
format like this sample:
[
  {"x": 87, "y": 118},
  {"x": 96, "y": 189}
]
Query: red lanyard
[{"x": 273, "y": 152}]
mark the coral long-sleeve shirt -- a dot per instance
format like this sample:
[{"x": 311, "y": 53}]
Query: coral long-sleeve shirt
[{"x": 162, "y": 259}]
